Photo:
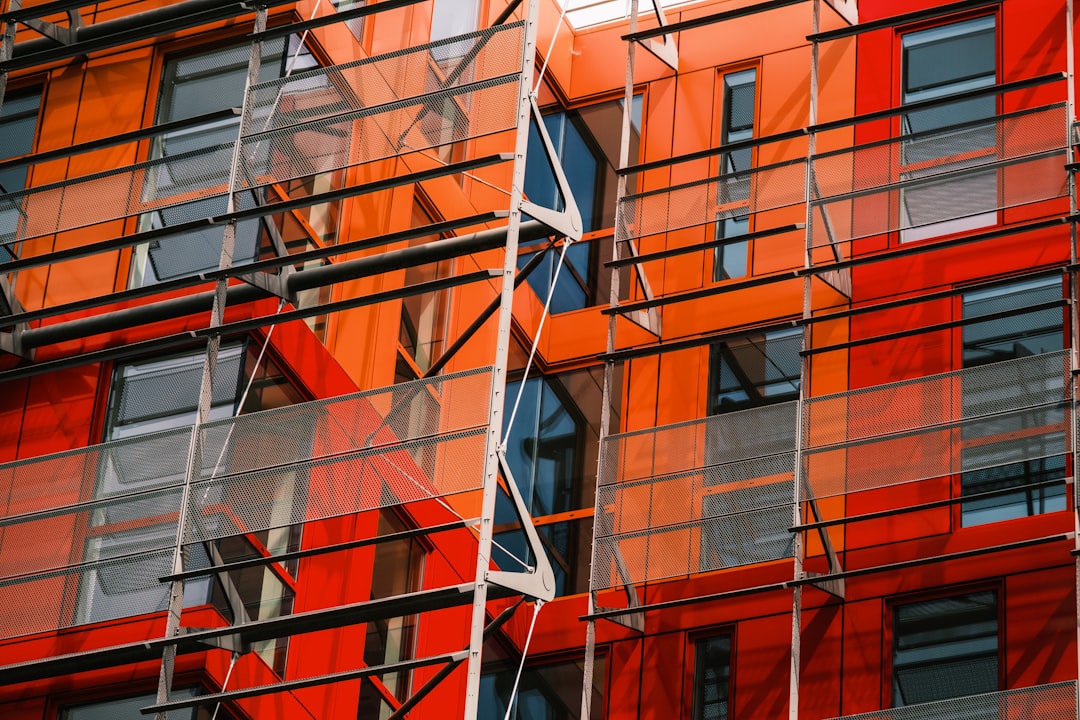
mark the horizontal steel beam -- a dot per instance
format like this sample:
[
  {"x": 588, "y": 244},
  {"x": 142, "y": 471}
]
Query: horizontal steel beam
[
  {"x": 904, "y": 19},
  {"x": 300, "y": 683},
  {"x": 255, "y": 631},
  {"x": 164, "y": 20}
]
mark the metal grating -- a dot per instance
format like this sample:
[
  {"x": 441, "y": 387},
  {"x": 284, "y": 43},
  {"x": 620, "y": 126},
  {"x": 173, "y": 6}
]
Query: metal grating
[
  {"x": 327, "y": 487},
  {"x": 720, "y": 439},
  {"x": 1055, "y": 701},
  {"x": 939, "y": 182},
  {"x": 408, "y": 74},
  {"x": 938, "y": 425},
  {"x": 331, "y": 118},
  {"x": 386, "y": 131},
  {"x": 313, "y": 122},
  {"x": 92, "y": 530},
  {"x": 696, "y": 496}
]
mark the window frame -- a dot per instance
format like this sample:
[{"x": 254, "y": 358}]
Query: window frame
[
  {"x": 690, "y": 695},
  {"x": 598, "y": 236},
  {"x": 951, "y": 226},
  {"x": 890, "y": 606},
  {"x": 137, "y": 270},
  {"x": 34, "y": 86},
  {"x": 752, "y": 337},
  {"x": 719, "y": 169},
  {"x": 125, "y": 532},
  {"x": 578, "y": 519},
  {"x": 1037, "y": 494},
  {"x": 508, "y": 659}
]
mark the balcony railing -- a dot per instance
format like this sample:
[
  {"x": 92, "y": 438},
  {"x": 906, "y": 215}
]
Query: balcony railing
[
  {"x": 939, "y": 425},
  {"x": 1056, "y": 701},
  {"x": 715, "y": 493},
  {"x": 91, "y": 532},
  {"x": 695, "y": 496},
  {"x": 938, "y": 182},
  {"x": 319, "y": 121}
]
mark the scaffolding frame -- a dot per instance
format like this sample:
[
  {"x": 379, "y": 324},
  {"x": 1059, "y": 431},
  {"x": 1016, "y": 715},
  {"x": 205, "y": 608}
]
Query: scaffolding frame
[
  {"x": 831, "y": 264},
  {"x": 278, "y": 278}
]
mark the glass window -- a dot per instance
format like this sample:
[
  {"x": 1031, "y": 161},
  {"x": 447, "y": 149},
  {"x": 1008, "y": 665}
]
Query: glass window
[
  {"x": 945, "y": 648},
  {"x": 129, "y": 552},
  {"x": 936, "y": 63},
  {"x": 356, "y": 25},
  {"x": 754, "y": 370},
  {"x": 712, "y": 677},
  {"x": 586, "y": 141},
  {"x": 1021, "y": 332},
  {"x": 737, "y": 124},
  {"x": 199, "y": 157},
  {"x": 545, "y": 692},
  {"x": 551, "y": 451},
  {"x": 450, "y": 18},
  {"x": 164, "y": 394},
  {"x": 18, "y": 122},
  {"x": 1024, "y": 457},
  {"x": 397, "y": 569},
  {"x": 423, "y": 315},
  {"x": 747, "y": 523}
]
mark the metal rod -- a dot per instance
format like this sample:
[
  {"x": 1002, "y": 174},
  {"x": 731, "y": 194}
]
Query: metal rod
[
  {"x": 904, "y": 19},
  {"x": 130, "y": 28},
  {"x": 788, "y": 584},
  {"x": 301, "y": 280},
  {"x": 484, "y": 316},
  {"x": 498, "y": 380}
]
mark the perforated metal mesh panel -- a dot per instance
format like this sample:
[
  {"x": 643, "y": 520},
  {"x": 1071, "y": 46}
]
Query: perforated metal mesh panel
[
  {"x": 331, "y": 118},
  {"x": 92, "y": 530},
  {"x": 406, "y": 74},
  {"x": 712, "y": 198},
  {"x": 720, "y": 439},
  {"x": 384, "y": 131},
  {"x": 1042, "y": 702},
  {"x": 326, "y": 487},
  {"x": 313, "y": 122},
  {"x": 933, "y": 426},
  {"x": 170, "y": 181},
  {"x": 941, "y": 177},
  {"x": 696, "y": 496}
]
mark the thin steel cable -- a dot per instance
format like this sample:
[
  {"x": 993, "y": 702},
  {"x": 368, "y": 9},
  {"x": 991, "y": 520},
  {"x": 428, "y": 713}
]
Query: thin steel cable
[
  {"x": 551, "y": 48},
  {"x": 243, "y": 397},
  {"x": 524, "y": 653},
  {"x": 225, "y": 683},
  {"x": 567, "y": 242}
]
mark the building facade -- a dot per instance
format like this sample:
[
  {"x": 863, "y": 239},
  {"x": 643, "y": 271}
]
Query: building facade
[{"x": 396, "y": 359}]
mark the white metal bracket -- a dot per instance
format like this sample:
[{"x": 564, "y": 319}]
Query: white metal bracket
[
  {"x": 539, "y": 582},
  {"x": 665, "y": 51},
  {"x": 567, "y": 221}
]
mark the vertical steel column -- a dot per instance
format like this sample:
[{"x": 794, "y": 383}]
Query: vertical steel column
[
  {"x": 493, "y": 443},
  {"x": 609, "y": 370},
  {"x": 1074, "y": 295},
  {"x": 798, "y": 540},
  {"x": 206, "y": 392}
]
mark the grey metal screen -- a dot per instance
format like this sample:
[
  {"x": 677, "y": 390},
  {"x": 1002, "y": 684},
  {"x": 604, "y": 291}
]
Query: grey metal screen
[
  {"x": 939, "y": 182},
  {"x": 1055, "y": 701},
  {"x": 938, "y": 425},
  {"x": 90, "y": 531},
  {"x": 696, "y": 496}
]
